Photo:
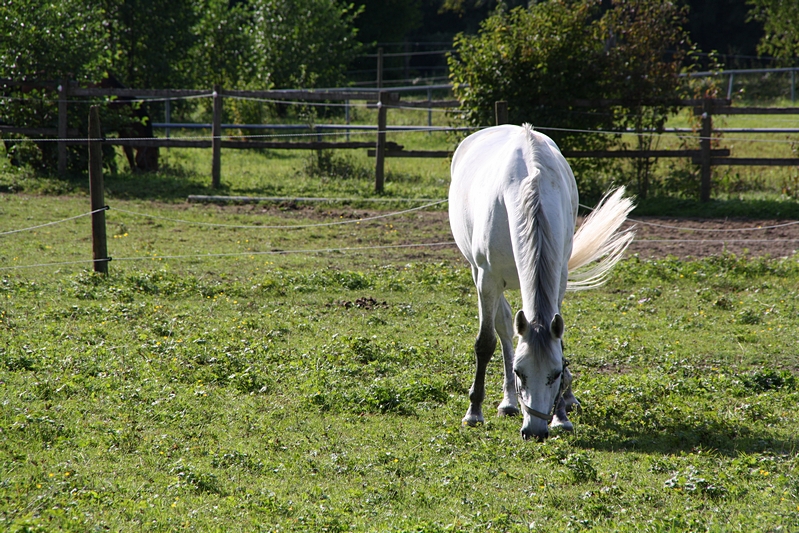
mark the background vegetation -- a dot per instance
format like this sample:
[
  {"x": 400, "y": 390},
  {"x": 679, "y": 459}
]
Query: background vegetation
[{"x": 540, "y": 57}]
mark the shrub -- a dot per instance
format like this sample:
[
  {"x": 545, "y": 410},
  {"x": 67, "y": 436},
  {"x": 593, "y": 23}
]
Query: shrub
[{"x": 555, "y": 62}]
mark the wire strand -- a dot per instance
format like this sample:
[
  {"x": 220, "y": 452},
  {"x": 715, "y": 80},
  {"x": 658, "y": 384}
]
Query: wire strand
[
  {"x": 286, "y": 227},
  {"x": 237, "y": 254},
  {"x": 55, "y": 222}
]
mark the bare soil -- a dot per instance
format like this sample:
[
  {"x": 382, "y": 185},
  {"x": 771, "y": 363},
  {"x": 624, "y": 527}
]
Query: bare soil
[
  {"x": 656, "y": 237},
  {"x": 695, "y": 238}
]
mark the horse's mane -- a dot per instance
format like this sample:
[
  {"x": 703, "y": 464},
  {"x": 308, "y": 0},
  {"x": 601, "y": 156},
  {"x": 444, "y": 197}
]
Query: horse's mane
[{"x": 540, "y": 272}]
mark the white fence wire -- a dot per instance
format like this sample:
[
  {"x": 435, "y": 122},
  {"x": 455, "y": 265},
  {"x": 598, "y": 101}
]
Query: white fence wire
[{"x": 359, "y": 249}]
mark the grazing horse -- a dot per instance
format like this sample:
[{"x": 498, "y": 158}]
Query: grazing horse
[{"x": 513, "y": 209}]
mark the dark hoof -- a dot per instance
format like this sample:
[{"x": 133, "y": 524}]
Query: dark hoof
[{"x": 508, "y": 410}]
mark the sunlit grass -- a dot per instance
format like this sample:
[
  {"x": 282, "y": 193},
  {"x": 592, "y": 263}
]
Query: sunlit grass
[{"x": 233, "y": 389}]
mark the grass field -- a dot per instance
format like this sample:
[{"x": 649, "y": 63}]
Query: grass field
[
  {"x": 211, "y": 383},
  {"x": 238, "y": 390}
]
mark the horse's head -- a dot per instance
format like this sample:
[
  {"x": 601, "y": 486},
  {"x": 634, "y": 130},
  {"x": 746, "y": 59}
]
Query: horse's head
[{"x": 538, "y": 365}]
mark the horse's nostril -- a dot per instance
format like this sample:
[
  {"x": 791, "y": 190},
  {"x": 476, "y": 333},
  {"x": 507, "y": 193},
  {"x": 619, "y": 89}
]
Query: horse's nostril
[{"x": 528, "y": 434}]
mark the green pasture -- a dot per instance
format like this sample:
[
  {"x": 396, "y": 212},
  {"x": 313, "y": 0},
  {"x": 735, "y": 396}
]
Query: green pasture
[{"x": 209, "y": 383}]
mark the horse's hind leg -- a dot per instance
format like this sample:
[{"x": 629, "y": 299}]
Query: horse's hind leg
[
  {"x": 566, "y": 403},
  {"x": 504, "y": 327},
  {"x": 484, "y": 348}
]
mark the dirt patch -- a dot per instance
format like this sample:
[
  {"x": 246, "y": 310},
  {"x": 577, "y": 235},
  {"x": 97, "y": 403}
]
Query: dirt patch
[
  {"x": 656, "y": 237},
  {"x": 695, "y": 238}
]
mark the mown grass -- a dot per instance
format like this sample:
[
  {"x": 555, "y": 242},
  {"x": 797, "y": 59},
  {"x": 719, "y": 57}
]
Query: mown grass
[{"x": 232, "y": 389}]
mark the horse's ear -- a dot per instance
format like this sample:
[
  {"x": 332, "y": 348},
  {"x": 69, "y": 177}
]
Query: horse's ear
[
  {"x": 520, "y": 323},
  {"x": 556, "y": 327}
]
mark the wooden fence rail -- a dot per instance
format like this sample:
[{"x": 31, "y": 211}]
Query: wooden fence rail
[{"x": 380, "y": 149}]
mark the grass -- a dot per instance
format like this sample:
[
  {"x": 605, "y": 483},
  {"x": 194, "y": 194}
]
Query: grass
[
  {"x": 210, "y": 383},
  {"x": 248, "y": 391}
]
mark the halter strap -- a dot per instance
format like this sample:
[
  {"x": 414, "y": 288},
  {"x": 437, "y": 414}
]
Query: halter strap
[{"x": 538, "y": 414}]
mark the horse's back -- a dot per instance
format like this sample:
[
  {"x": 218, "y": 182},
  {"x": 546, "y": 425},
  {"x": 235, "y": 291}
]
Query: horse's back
[
  {"x": 483, "y": 168},
  {"x": 488, "y": 169}
]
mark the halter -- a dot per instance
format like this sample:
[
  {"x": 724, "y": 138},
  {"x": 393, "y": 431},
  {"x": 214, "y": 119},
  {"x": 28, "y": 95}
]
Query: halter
[{"x": 538, "y": 414}]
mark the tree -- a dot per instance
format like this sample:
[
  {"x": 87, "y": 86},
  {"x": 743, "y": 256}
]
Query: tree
[
  {"x": 223, "y": 49},
  {"x": 545, "y": 59},
  {"x": 60, "y": 41},
  {"x": 387, "y": 21},
  {"x": 779, "y": 18},
  {"x": 149, "y": 41},
  {"x": 301, "y": 43}
]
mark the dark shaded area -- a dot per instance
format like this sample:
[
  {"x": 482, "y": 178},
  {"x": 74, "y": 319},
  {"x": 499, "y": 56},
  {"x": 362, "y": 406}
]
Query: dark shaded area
[
  {"x": 677, "y": 207},
  {"x": 722, "y": 25}
]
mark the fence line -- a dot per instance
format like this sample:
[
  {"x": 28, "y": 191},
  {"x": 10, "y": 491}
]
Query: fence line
[
  {"x": 371, "y": 130},
  {"x": 104, "y": 261},
  {"x": 236, "y": 254},
  {"x": 706, "y": 157},
  {"x": 430, "y": 203},
  {"x": 288, "y": 227}
]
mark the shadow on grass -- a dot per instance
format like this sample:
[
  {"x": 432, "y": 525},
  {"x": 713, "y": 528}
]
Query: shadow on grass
[
  {"x": 675, "y": 207},
  {"x": 169, "y": 184},
  {"x": 724, "y": 438}
]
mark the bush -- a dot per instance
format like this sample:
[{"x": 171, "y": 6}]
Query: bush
[{"x": 555, "y": 61}]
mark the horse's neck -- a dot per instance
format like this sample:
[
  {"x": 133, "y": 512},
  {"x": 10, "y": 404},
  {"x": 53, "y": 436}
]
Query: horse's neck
[{"x": 539, "y": 262}]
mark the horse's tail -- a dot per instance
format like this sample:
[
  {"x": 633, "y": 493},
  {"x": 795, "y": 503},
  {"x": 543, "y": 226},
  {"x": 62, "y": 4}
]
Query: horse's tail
[{"x": 599, "y": 238}]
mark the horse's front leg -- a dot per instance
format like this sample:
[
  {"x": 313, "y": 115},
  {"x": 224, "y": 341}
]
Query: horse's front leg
[
  {"x": 566, "y": 403},
  {"x": 504, "y": 327},
  {"x": 484, "y": 348}
]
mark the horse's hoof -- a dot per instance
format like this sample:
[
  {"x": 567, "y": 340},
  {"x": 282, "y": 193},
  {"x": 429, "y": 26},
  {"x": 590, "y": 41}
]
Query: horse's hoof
[
  {"x": 508, "y": 410},
  {"x": 472, "y": 421},
  {"x": 563, "y": 424}
]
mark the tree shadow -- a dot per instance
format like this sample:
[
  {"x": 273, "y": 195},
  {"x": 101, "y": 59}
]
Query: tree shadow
[
  {"x": 722, "y": 437},
  {"x": 169, "y": 184}
]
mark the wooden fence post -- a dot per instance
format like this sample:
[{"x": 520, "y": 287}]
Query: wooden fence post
[
  {"x": 380, "y": 149},
  {"x": 216, "y": 141},
  {"x": 63, "y": 86},
  {"x": 501, "y": 112},
  {"x": 704, "y": 147},
  {"x": 97, "y": 193}
]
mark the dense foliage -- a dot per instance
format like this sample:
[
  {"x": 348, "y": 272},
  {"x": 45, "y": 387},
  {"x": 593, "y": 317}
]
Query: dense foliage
[
  {"x": 302, "y": 43},
  {"x": 555, "y": 61},
  {"x": 779, "y": 18},
  {"x": 188, "y": 44}
]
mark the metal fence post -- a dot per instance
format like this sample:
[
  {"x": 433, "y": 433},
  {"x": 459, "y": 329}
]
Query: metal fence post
[
  {"x": 63, "y": 86},
  {"x": 97, "y": 193},
  {"x": 704, "y": 147},
  {"x": 380, "y": 68},
  {"x": 380, "y": 149},
  {"x": 216, "y": 140},
  {"x": 501, "y": 112}
]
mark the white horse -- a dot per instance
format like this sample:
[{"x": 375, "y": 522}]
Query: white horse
[{"x": 513, "y": 209}]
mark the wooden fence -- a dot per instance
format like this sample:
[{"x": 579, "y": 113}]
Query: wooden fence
[{"x": 383, "y": 100}]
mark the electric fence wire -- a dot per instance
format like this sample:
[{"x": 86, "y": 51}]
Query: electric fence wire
[
  {"x": 400, "y": 130},
  {"x": 235, "y": 254},
  {"x": 286, "y": 227},
  {"x": 32, "y": 228}
]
